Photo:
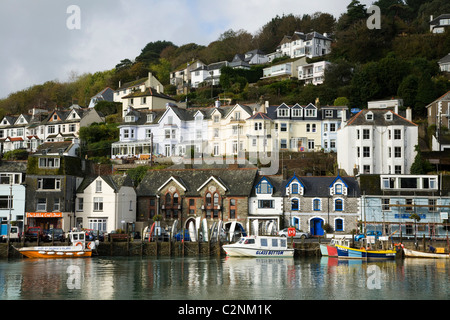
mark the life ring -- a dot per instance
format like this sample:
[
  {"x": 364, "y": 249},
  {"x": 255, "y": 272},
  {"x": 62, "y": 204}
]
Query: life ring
[
  {"x": 90, "y": 246},
  {"x": 78, "y": 243}
]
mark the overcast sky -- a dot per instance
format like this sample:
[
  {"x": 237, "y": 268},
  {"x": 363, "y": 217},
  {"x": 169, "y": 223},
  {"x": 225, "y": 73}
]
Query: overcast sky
[{"x": 37, "y": 46}]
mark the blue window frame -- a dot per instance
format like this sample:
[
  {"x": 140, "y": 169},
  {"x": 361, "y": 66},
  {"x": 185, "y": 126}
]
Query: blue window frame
[
  {"x": 294, "y": 188},
  {"x": 339, "y": 225},
  {"x": 295, "y": 205},
  {"x": 338, "y": 205},
  {"x": 338, "y": 188},
  {"x": 264, "y": 187},
  {"x": 316, "y": 204}
]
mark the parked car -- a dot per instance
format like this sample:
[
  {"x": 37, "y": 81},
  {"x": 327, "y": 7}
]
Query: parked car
[
  {"x": 179, "y": 236},
  {"x": 298, "y": 234},
  {"x": 57, "y": 233},
  {"x": 33, "y": 233},
  {"x": 94, "y": 235},
  {"x": 377, "y": 234}
]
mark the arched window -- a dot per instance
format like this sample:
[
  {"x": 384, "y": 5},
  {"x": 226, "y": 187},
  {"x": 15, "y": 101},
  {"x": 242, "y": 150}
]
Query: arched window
[
  {"x": 168, "y": 199},
  {"x": 208, "y": 199},
  {"x": 216, "y": 199},
  {"x": 295, "y": 204},
  {"x": 175, "y": 198}
]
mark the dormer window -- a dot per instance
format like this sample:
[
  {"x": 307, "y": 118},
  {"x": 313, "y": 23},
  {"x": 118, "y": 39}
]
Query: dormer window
[
  {"x": 388, "y": 116},
  {"x": 150, "y": 117},
  {"x": 310, "y": 113},
  {"x": 129, "y": 119},
  {"x": 294, "y": 188},
  {"x": 283, "y": 112},
  {"x": 264, "y": 187},
  {"x": 338, "y": 189},
  {"x": 369, "y": 116}
]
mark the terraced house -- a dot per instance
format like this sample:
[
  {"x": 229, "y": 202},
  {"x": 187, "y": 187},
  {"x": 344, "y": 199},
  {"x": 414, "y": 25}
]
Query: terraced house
[
  {"x": 185, "y": 194},
  {"x": 53, "y": 174},
  {"x": 307, "y": 203}
]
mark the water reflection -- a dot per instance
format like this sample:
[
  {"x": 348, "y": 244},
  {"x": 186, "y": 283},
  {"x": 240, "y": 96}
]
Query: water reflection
[{"x": 223, "y": 279}]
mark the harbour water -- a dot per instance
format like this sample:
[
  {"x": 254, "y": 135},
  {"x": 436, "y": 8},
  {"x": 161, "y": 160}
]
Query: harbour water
[{"x": 210, "y": 278}]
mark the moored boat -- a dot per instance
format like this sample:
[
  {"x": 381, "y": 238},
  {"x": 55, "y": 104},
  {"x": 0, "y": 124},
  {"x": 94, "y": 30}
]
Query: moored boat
[
  {"x": 259, "y": 246},
  {"x": 353, "y": 253},
  {"x": 330, "y": 250},
  {"x": 408, "y": 253},
  {"x": 78, "y": 249}
]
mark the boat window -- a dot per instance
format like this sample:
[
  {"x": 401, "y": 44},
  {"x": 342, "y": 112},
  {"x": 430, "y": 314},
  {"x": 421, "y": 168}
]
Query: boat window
[
  {"x": 81, "y": 236},
  {"x": 283, "y": 242},
  {"x": 274, "y": 242},
  {"x": 75, "y": 237},
  {"x": 250, "y": 241},
  {"x": 242, "y": 240},
  {"x": 263, "y": 242}
]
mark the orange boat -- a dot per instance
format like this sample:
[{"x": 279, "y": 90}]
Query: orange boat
[{"x": 78, "y": 249}]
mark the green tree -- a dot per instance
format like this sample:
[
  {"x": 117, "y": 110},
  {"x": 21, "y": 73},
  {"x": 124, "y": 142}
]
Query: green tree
[{"x": 420, "y": 165}]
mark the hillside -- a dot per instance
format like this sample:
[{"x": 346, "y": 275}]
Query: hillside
[{"x": 400, "y": 59}]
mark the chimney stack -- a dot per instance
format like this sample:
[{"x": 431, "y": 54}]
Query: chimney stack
[{"x": 409, "y": 114}]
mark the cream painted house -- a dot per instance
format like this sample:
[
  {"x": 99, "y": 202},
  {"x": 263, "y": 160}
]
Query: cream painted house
[
  {"x": 296, "y": 128},
  {"x": 227, "y": 129},
  {"x": 105, "y": 203},
  {"x": 142, "y": 94}
]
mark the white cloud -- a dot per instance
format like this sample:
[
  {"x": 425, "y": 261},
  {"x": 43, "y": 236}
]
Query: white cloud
[{"x": 38, "y": 46}]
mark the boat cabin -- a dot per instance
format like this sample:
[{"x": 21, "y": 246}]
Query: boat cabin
[{"x": 264, "y": 243}]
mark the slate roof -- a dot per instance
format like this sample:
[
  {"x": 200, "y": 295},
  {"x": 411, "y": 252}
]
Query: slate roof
[
  {"x": 317, "y": 186},
  {"x": 378, "y": 119},
  {"x": 13, "y": 166},
  {"x": 148, "y": 92},
  {"x": 54, "y": 147},
  {"x": 239, "y": 182},
  {"x": 436, "y": 21},
  {"x": 320, "y": 186},
  {"x": 114, "y": 181},
  {"x": 445, "y": 59}
]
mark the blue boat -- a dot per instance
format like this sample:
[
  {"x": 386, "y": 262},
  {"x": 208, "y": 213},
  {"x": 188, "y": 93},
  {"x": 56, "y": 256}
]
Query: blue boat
[{"x": 353, "y": 253}]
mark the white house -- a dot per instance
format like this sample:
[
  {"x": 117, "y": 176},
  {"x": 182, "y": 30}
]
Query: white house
[
  {"x": 265, "y": 204},
  {"x": 244, "y": 61},
  {"x": 105, "y": 203},
  {"x": 12, "y": 192},
  {"x": 377, "y": 141},
  {"x": 311, "y": 45},
  {"x": 444, "y": 63},
  {"x": 313, "y": 73},
  {"x": 106, "y": 94},
  {"x": 332, "y": 117},
  {"x": 209, "y": 74},
  {"x": 439, "y": 24}
]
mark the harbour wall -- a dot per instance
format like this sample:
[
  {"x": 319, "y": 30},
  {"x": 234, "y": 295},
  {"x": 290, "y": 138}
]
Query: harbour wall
[{"x": 185, "y": 249}]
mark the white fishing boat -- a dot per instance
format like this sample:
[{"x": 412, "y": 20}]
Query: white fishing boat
[
  {"x": 420, "y": 254},
  {"x": 259, "y": 246},
  {"x": 79, "y": 248}
]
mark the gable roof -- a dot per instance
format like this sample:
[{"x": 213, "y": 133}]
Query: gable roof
[
  {"x": 239, "y": 182},
  {"x": 445, "y": 59},
  {"x": 114, "y": 181},
  {"x": 148, "y": 92}
]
